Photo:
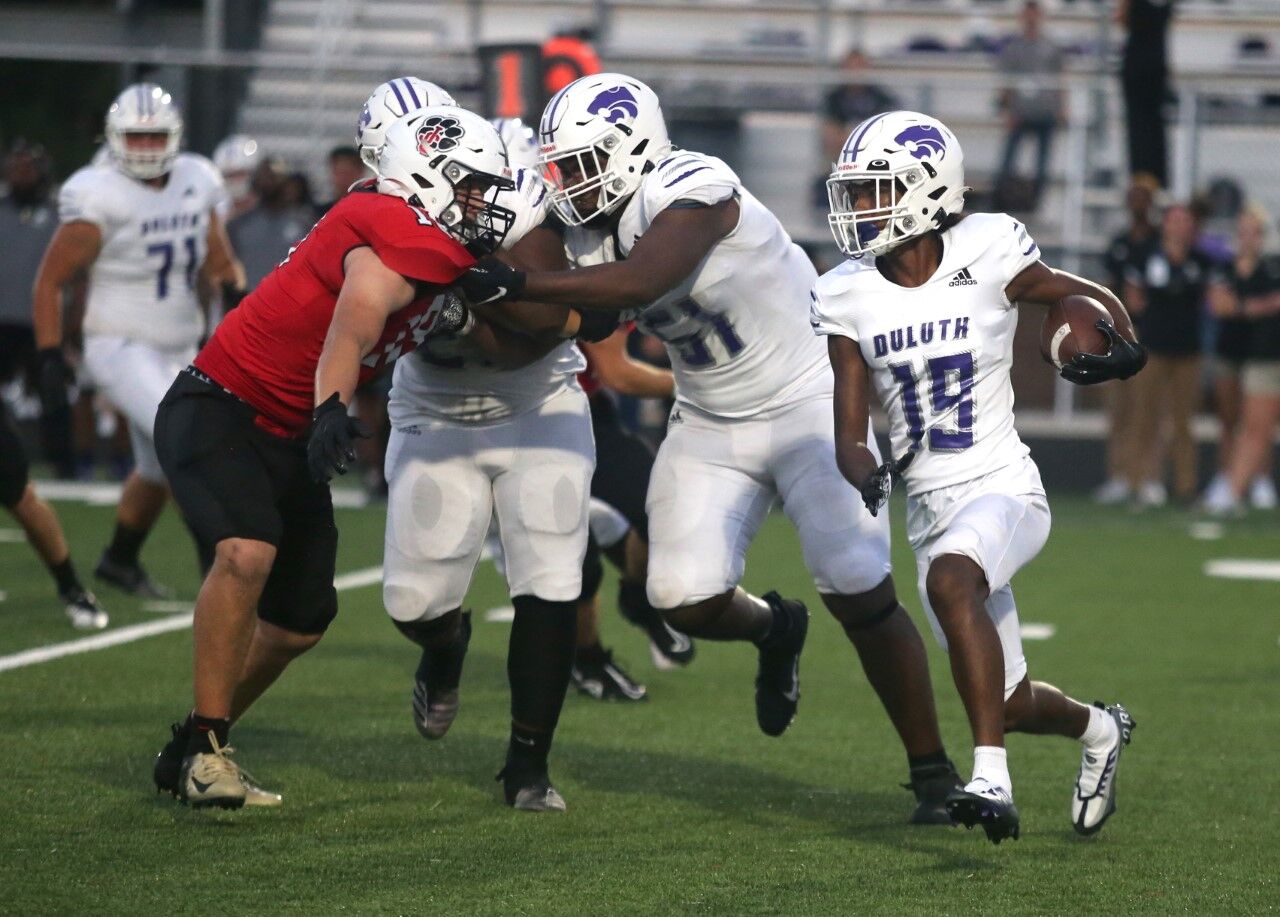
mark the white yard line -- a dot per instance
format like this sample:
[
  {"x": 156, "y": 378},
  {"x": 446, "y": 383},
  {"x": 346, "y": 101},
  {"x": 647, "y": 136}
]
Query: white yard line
[
  {"x": 1033, "y": 631},
  {"x": 120, "y": 635},
  {"x": 1232, "y": 568}
]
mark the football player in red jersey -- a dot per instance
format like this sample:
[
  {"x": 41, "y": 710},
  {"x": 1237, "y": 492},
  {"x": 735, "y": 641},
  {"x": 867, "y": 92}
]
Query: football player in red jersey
[{"x": 250, "y": 434}]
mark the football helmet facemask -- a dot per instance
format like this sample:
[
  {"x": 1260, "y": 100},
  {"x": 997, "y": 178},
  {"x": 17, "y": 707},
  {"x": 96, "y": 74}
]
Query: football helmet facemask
[
  {"x": 899, "y": 175},
  {"x": 598, "y": 137},
  {"x": 452, "y": 164},
  {"x": 144, "y": 108},
  {"x": 393, "y": 99}
]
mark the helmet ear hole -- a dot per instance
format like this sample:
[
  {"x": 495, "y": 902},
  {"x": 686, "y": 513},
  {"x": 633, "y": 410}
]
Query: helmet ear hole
[{"x": 421, "y": 180}]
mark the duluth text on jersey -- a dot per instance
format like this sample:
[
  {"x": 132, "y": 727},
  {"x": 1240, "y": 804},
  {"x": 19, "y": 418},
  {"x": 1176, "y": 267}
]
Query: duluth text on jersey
[
  {"x": 172, "y": 222},
  {"x": 900, "y": 339}
]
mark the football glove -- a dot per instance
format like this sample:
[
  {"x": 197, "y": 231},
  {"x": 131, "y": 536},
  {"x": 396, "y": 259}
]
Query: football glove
[
  {"x": 331, "y": 447},
  {"x": 454, "y": 319},
  {"x": 490, "y": 280},
  {"x": 1123, "y": 359},
  {"x": 877, "y": 488},
  {"x": 232, "y": 296},
  {"x": 54, "y": 379}
]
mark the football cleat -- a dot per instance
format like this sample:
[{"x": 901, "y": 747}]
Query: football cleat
[
  {"x": 211, "y": 778},
  {"x": 84, "y": 611},
  {"x": 778, "y": 677},
  {"x": 168, "y": 770},
  {"x": 932, "y": 785},
  {"x": 435, "y": 684},
  {"x": 983, "y": 803},
  {"x": 602, "y": 679},
  {"x": 130, "y": 578},
  {"x": 668, "y": 647},
  {"x": 530, "y": 790},
  {"x": 1094, "y": 799}
]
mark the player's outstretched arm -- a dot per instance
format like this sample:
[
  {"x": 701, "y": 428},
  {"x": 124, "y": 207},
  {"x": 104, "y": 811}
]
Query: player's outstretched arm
[
  {"x": 369, "y": 294},
  {"x": 669, "y": 251},
  {"x": 541, "y": 249},
  {"x": 1045, "y": 285},
  {"x": 626, "y": 375},
  {"x": 222, "y": 270}
]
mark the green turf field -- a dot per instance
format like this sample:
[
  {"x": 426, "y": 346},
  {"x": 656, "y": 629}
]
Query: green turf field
[{"x": 677, "y": 805}]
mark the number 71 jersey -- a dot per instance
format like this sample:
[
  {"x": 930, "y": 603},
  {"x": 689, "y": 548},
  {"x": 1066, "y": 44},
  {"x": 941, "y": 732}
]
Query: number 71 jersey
[
  {"x": 142, "y": 285},
  {"x": 940, "y": 354}
]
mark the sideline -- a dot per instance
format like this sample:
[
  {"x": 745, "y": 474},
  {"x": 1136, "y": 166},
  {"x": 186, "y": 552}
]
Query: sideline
[{"x": 107, "y": 639}]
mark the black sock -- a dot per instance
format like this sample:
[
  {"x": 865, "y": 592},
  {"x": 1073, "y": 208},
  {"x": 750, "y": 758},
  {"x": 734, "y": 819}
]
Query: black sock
[
  {"x": 595, "y": 653},
  {"x": 64, "y": 574},
  {"x": 539, "y": 657},
  {"x": 528, "y": 749},
  {"x": 201, "y": 727},
  {"x": 937, "y": 759},
  {"x": 779, "y": 624},
  {"x": 633, "y": 600},
  {"x": 125, "y": 546}
]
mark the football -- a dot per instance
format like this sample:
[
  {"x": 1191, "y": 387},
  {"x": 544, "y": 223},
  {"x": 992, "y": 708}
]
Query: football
[{"x": 1070, "y": 327}]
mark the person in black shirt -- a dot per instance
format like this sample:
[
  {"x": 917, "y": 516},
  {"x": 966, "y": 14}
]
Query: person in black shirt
[
  {"x": 845, "y": 107},
  {"x": 1144, "y": 77},
  {"x": 1127, "y": 252},
  {"x": 1250, "y": 288},
  {"x": 1167, "y": 294}
]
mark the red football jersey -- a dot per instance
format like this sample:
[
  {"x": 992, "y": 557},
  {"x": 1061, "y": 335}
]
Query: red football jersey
[{"x": 265, "y": 352}]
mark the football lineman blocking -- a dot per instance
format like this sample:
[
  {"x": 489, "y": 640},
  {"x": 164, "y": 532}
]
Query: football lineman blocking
[
  {"x": 252, "y": 431},
  {"x": 674, "y": 235},
  {"x": 143, "y": 227},
  {"x": 925, "y": 307}
]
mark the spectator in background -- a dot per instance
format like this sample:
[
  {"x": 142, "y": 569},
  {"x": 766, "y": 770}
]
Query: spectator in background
[
  {"x": 844, "y": 108},
  {"x": 1144, "y": 79},
  {"x": 28, "y": 219},
  {"x": 345, "y": 169},
  {"x": 1032, "y": 106},
  {"x": 1127, "y": 253},
  {"x": 1166, "y": 294},
  {"x": 263, "y": 235},
  {"x": 1248, "y": 291}
]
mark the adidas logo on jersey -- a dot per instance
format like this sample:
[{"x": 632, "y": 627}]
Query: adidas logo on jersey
[{"x": 962, "y": 279}]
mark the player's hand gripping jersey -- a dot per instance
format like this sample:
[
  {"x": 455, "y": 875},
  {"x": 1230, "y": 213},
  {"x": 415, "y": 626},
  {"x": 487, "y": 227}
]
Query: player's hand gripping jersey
[
  {"x": 266, "y": 351},
  {"x": 940, "y": 354},
  {"x": 142, "y": 285},
  {"x": 735, "y": 329},
  {"x": 445, "y": 379}
]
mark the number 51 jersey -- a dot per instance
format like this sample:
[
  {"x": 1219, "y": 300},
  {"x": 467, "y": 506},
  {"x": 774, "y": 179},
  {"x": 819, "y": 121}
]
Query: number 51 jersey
[{"x": 940, "y": 354}]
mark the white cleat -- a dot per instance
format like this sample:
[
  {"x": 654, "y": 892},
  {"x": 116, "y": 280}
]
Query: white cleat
[
  {"x": 1112, "y": 493},
  {"x": 211, "y": 778},
  {"x": 1094, "y": 799},
  {"x": 1152, "y": 495},
  {"x": 1262, "y": 493},
  {"x": 84, "y": 611}
]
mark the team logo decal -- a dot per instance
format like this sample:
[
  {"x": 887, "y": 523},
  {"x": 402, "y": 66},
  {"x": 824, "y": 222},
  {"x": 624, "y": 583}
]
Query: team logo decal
[
  {"x": 614, "y": 104},
  {"x": 365, "y": 117},
  {"x": 923, "y": 141},
  {"x": 439, "y": 135}
]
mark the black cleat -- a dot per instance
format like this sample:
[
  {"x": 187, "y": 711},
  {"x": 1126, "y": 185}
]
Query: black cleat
[
  {"x": 84, "y": 611},
  {"x": 603, "y": 679},
  {"x": 932, "y": 785},
  {"x": 778, "y": 678},
  {"x": 668, "y": 647},
  {"x": 435, "y": 684},
  {"x": 990, "y": 806},
  {"x": 131, "y": 579},
  {"x": 529, "y": 789}
]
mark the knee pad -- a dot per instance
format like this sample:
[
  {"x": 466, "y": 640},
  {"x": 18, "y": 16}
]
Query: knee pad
[
  {"x": 592, "y": 571},
  {"x": 433, "y": 633}
]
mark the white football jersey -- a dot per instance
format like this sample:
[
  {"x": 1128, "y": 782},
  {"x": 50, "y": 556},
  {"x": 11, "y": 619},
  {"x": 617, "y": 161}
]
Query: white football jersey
[
  {"x": 736, "y": 329},
  {"x": 142, "y": 286},
  {"x": 940, "y": 354},
  {"x": 443, "y": 378}
]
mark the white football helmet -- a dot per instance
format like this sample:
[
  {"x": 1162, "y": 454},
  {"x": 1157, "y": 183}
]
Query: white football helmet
[
  {"x": 144, "y": 108},
  {"x": 452, "y": 164},
  {"x": 393, "y": 99},
  {"x": 522, "y": 145},
  {"x": 600, "y": 134},
  {"x": 899, "y": 175},
  {"x": 236, "y": 157}
]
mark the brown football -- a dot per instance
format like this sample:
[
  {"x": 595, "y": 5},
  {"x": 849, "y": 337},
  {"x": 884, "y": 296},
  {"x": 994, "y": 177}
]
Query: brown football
[{"x": 1070, "y": 327}]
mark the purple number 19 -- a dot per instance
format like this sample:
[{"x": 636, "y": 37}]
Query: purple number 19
[{"x": 950, "y": 388}]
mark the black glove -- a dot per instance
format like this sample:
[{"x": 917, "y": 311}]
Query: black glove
[
  {"x": 875, "y": 492},
  {"x": 1123, "y": 359},
  {"x": 332, "y": 444},
  {"x": 232, "y": 296},
  {"x": 54, "y": 379},
  {"x": 490, "y": 280},
  {"x": 596, "y": 326},
  {"x": 454, "y": 318}
]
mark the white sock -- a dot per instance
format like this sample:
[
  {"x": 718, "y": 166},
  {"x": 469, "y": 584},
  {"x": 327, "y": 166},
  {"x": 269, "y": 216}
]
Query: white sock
[
  {"x": 991, "y": 763},
  {"x": 1101, "y": 729}
]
